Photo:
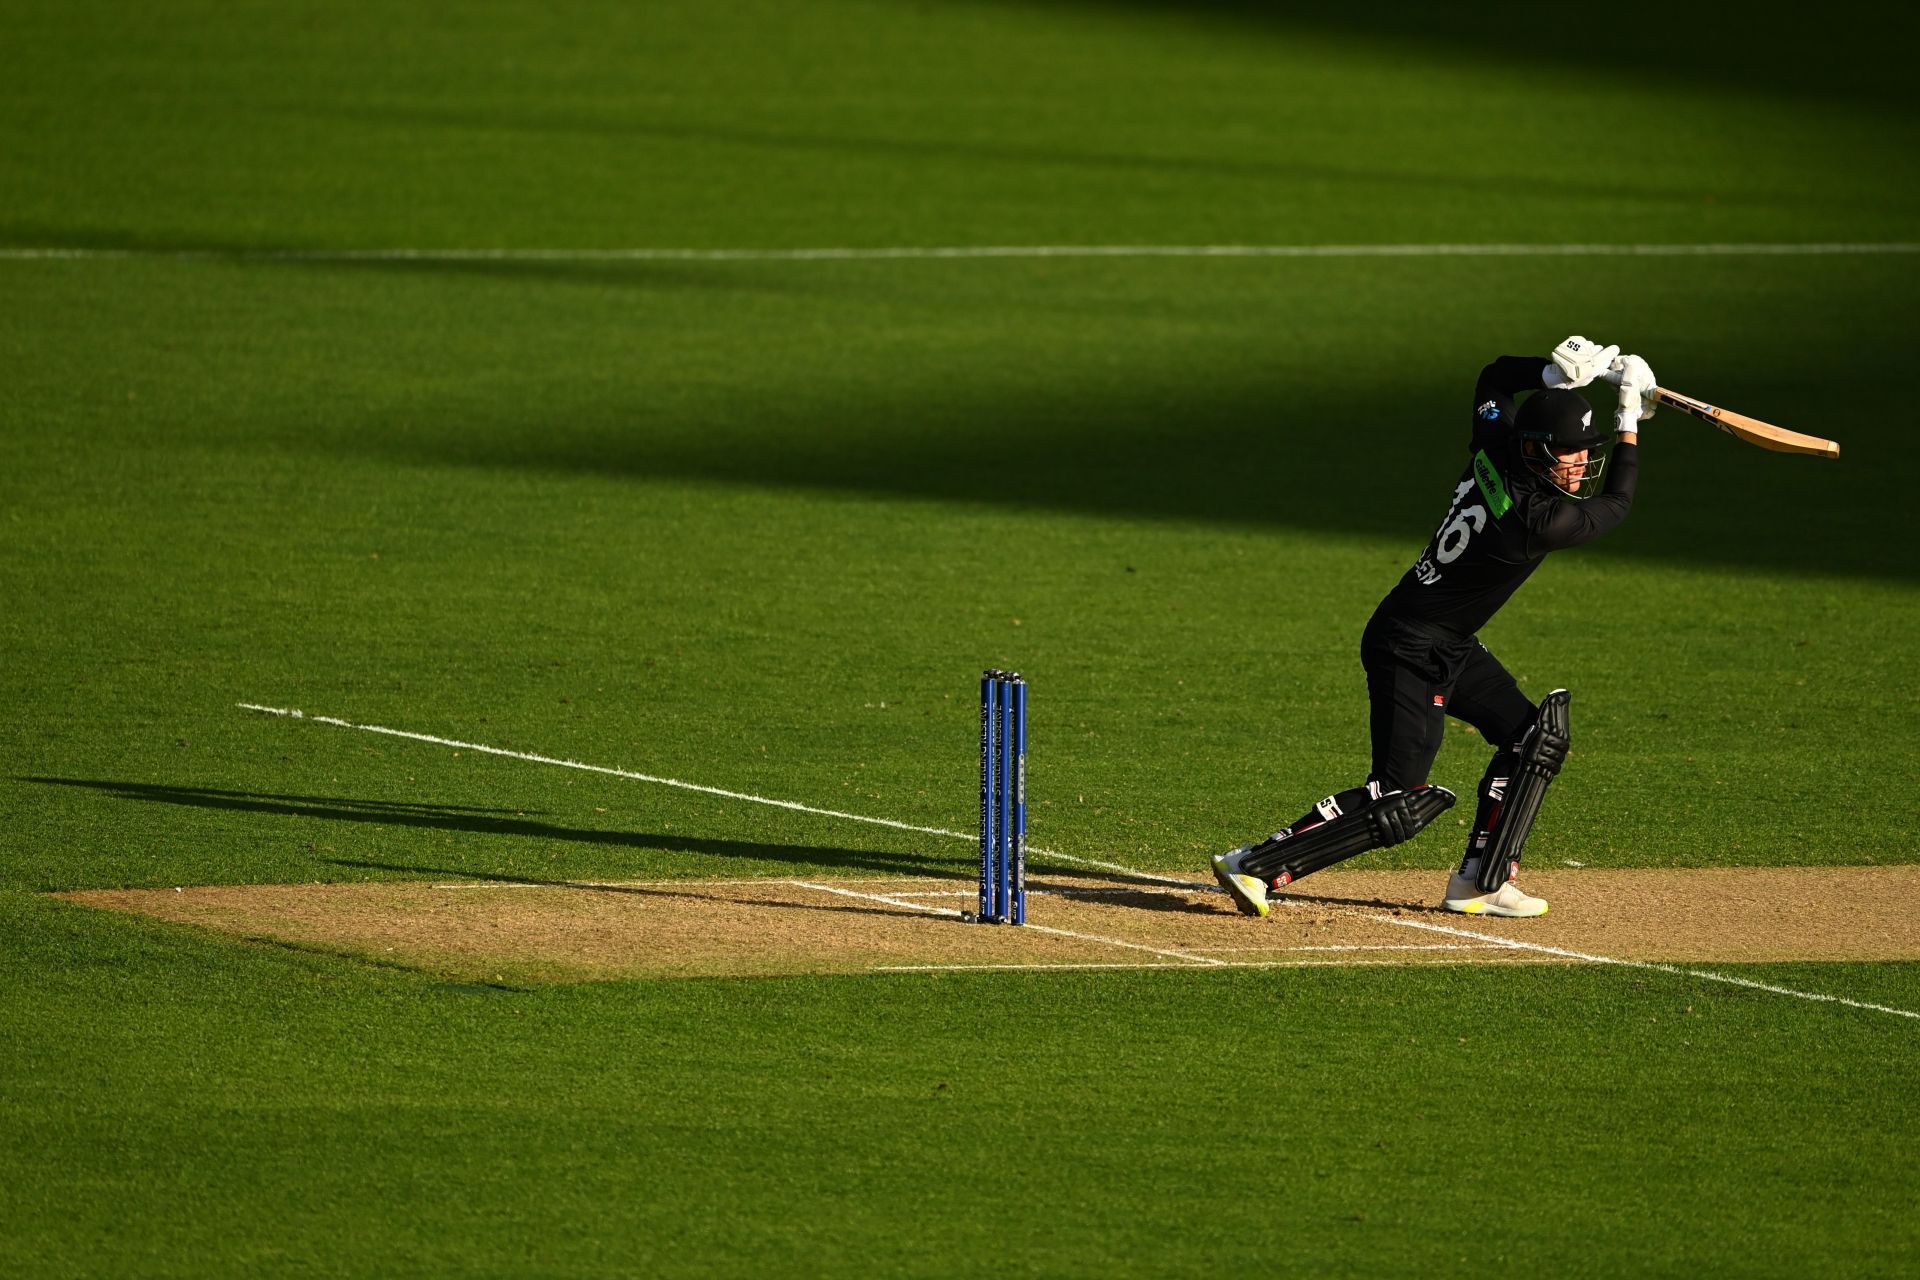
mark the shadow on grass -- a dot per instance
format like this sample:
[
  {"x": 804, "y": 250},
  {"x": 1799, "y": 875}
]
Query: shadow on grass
[
  {"x": 651, "y": 276},
  {"x": 1696, "y": 44},
  {"x": 495, "y": 822},
  {"x": 1180, "y": 410},
  {"x": 632, "y": 124},
  {"x": 1235, "y": 447},
  {"x": 515, "y": 824}
]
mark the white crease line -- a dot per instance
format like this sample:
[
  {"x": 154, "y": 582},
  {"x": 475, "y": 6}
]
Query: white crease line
[
  {"x": 483, "y": 749},
  {"x": 1197, "y": 886},
  {"x": 1381, "y": 946},
  {"x": 969, "y": 252},
  {"x": 1145, "y": 891},
  {"x": 1707, "y": 974},
  {"x": 1187, "y": 959},
  {"x": 946, "y": 893},
  {"x": 689, "y": 883},
  {"x": 890, "y": 899},
  {"x": 970, "y": 837},
  {"x": 985, "y": 968},
  {"x": 1229, "y": 964},
  {"x": 1587, "y": 957},
  {"x": 1186, "y": 956}
]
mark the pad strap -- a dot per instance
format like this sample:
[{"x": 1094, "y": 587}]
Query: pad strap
[
  {"x": 1336, "y": 834},
  {"x": 1540, "y": 753}
]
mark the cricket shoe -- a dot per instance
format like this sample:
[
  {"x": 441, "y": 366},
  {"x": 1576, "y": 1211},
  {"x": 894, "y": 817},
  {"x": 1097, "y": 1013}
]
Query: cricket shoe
[
  {"x": 1464, "y": 896},
  {"x": 1249, "y": 893}
]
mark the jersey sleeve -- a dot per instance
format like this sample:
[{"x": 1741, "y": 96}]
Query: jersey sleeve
[
  {"x": 1493, "y": 395},
  {"x": 1555, "y": 524}
]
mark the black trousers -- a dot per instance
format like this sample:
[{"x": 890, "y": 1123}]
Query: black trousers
[{"x": 1419, "y": 675}]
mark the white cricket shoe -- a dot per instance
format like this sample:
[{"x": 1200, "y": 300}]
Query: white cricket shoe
[
  {"x": 1249, "y": 893},
  {"x": 1464, "y": 896}
]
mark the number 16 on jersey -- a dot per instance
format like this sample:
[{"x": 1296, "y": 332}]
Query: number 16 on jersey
[{"x": 1455, "y": 532}]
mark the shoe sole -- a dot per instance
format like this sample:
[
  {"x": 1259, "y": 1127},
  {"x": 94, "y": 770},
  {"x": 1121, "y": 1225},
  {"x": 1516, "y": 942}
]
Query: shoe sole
[
  {"x": 1475, "y": 907},
  {"x": 1248, "y": 904}
]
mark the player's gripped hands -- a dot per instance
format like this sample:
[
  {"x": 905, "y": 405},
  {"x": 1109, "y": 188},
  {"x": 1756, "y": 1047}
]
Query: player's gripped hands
[
  {"x": 1636, "y": 382},
  {"x": 1580, "y": 361}
]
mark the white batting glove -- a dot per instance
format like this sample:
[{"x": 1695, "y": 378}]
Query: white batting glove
[
  {"x": 1581, "y": 361},
  {"x": 1637, "y": 386}
]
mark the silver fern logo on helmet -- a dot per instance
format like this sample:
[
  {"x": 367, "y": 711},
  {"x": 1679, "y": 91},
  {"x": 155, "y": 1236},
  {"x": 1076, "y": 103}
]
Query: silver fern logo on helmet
[{"x": 1558, "y": 443}]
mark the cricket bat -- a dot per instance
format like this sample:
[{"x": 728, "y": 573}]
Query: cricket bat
[{"x": 1752, "y": 430}]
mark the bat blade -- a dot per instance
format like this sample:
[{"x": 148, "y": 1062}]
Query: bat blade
[{"x": 1751, "y": 430}]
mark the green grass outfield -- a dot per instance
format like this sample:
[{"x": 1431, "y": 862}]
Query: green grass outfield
[{"x": 757, "y": 524}]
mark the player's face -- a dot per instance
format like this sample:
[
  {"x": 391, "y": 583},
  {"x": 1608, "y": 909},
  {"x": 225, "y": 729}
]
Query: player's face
[{"x": 1569, "y": 468}]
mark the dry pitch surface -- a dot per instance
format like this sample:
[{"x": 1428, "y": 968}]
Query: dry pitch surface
[{"x": 519, "y": 930}]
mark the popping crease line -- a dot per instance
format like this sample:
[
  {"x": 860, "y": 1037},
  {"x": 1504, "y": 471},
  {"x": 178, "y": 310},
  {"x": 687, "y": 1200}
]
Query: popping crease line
[
  {"x": 939, "y": 252},
  {"x": 1144, "y": 876},
  {"x": 1229, "y": 964},
  {"x": 1657, "y": 967},
  {"x": 1187, "y": 960},
  {"x": 1366, "y": 946}
]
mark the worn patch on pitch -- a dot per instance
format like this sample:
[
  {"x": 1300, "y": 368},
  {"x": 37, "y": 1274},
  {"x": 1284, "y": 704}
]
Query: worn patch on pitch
[{"x": 521, "y": 930}]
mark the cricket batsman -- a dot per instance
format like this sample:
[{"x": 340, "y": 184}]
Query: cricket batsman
[{"x": 1532, "y": 485}]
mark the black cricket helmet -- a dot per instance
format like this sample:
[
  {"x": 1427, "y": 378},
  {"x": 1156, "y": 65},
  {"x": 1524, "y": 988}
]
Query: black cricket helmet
[{"x": 1554, "y": 423}]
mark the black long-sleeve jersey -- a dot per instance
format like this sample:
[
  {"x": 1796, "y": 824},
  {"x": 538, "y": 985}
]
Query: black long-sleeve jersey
[{"x": 1504, "y": 518}]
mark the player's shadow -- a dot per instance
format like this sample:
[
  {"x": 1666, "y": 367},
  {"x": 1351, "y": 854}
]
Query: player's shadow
[
  {"x": 518, "y": 824},
  {"x": 498, "y": 822},
  {"x": 1194, "y": 900},
  {"x": 1397, "y": 907}
]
